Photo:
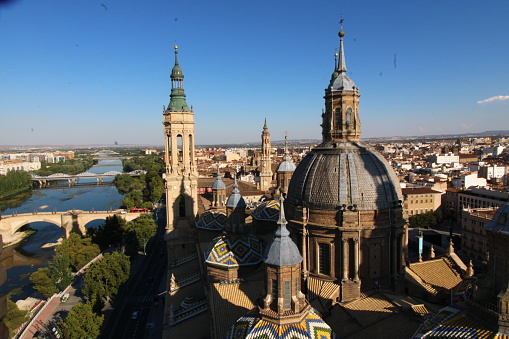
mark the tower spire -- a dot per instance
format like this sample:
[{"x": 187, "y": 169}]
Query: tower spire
[
  {"x": 177, "y": 97},
  {"x": 341, "y": 119},
  {"x": 342, "y": 63}
]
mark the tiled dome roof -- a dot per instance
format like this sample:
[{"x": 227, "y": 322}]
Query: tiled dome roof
[
  {"x": 346, "y": 173},
  {"x": 212, "y": 220},
  {"x": 234, "y": 251},
  {"x": 268, "y": 211},
  {"x": 252, "y": 326}
]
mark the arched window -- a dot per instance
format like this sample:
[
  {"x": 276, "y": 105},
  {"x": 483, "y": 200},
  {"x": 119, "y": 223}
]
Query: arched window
[
  {"x": 349, "y": 116},
  {"x": 182, "y": 206},
  {"x": 338, "y": 118}
]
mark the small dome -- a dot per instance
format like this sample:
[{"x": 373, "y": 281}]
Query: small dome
[
  {"x": 212, "y": 220},
  {"x": 251, "y": 326},
  {"x": 234, "y": 251},
  {"x": 341, "y": 82},
  {"x": 218, "y": 184},
  {"x": 235, "y": 199},
  {"x": 176, "y": 72},
  {"x": 267, "y": 211},
  {"x": 286, "y": 166},
  {"x": 347, "y": 173}
]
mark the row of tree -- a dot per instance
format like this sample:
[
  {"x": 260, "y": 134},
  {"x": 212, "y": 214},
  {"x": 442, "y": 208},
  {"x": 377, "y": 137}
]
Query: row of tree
[
  {"x": 102, "y": 279},
  {"x": 145, "y": 191},
  {"x": 428, "y": 219},
  {"x": 70, "y": 166},
  {"x": 14, "y": 181}
]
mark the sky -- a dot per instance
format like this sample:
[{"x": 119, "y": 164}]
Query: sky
[{"x": 97, "y": 71}]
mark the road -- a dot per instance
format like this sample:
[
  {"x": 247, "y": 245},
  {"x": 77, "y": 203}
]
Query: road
[{"x": 143, "y": 293}]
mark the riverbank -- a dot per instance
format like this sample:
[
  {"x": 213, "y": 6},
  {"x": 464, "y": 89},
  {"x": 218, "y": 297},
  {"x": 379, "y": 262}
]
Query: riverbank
[{"x": 19, "y": 236}]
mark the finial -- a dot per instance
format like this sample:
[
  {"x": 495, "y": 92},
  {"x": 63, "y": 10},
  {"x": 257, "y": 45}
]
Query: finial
[
  {"x": 176, "y": 54},
  {"x": 341, "y": 32}
]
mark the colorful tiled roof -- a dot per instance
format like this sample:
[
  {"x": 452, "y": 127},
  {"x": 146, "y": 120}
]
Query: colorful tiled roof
[
  {"x": 461, "y": 325},
  {"x": 268, "y": 211},
  {"x": 252, "y": 326},
  {"x": 212, "y": 220},
  {"x": 234, "y": 251}
]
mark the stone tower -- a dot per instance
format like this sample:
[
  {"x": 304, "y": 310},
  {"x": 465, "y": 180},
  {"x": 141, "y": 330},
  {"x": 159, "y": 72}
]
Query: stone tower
[
  {"x": 265, "y": 171},
  {"x": 285, "y": 171},
  {"x": 218, "y": 192},
  {"x": 344, "y": 201},
  {"x": 181, "y": 177}
]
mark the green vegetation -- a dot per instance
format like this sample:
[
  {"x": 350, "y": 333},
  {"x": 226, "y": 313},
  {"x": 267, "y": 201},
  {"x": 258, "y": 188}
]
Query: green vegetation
[
  {"x": 14, "y": 182},
  {"x": 82, "y": 322},
  {"x": 145, "y": 191},
  {"x": 79, "y": 250},
  {"x": 43, "y": 283},
  {"x": 70, "y": 256},
  {"x": 134, "y": 234},
  {"x": 14, "y": 317},
  {"x": 70, "y": 166},
  {"x": 110, "y": 233},
  {"x": 104, "y": 277},
  {"x": 428, "y": 219},
  {"x": 139, "y": 232}
]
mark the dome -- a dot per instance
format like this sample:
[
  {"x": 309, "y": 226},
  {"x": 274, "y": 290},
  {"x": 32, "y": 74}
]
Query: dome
[
  {"x": 342, "y": 83},
  {"x": 344, "y": 174},
  {"x": 176, "y": 72},
  {"x": 212, "y": 220},
  {"x": 234, "y": 251},
  {"x": 251, "y": 326},
  {"x": 218, "y": 184},
  {"x": 286, "y": 166},
  {"x": 267, "y": 211}
]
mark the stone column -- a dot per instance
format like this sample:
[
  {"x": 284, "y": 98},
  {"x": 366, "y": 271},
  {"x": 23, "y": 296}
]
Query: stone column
[
  {"x": 356, "y": 259},
  {"x": 345, "y": 259}
]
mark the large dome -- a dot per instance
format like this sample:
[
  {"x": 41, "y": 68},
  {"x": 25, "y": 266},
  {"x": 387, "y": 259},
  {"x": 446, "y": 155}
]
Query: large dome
[{"x": 347, "y": 173}]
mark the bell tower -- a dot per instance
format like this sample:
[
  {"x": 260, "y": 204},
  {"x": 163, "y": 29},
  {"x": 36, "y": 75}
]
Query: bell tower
[
  {"x": 341, "y": 116},
  {"x": 181, "y": 176},
  {"x": 265, "y": 171}
]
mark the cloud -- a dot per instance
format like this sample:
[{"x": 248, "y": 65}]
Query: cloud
[{"x": 498, "y": 97}]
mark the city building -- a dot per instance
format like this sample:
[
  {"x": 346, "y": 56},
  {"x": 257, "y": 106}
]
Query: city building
[{"x": 419, "y": 200}]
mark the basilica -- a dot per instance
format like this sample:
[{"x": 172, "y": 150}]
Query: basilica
[{"x": 323, "y": 255}]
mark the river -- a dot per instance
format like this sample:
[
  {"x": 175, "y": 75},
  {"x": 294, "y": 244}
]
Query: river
[{"x": 30, "y": 254}]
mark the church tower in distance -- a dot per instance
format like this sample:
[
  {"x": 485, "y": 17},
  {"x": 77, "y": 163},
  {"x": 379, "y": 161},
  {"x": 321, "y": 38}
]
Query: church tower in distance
[
  {"x": 265, "y": 170},
  {"x": 181, "y": 176}
]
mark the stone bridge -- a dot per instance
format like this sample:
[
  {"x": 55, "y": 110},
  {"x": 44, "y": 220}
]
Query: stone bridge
[{"x": 70, "y": 221}]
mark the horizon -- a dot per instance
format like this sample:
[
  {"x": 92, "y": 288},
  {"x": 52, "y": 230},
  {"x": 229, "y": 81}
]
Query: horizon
[{"x": 88, "y": 73}]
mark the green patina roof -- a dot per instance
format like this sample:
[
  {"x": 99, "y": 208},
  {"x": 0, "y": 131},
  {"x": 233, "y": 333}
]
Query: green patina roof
[{"x": 177, "y": 97}]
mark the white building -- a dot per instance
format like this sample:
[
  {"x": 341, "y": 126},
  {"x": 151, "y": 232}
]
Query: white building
[
  {"x": 444, "y": 158},
  {"x": 468, "y": 180},
  {"x": 7, "y": 167}
]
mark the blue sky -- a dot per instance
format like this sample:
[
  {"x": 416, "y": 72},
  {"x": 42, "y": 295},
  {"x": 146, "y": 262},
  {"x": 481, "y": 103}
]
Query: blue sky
[{"x": 97, "y": 71}]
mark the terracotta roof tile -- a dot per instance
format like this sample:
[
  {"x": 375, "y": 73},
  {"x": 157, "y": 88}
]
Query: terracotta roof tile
[{"x": 437, "y": 272}]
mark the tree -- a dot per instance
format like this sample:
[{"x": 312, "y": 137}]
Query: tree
[
  {"x": 80, "y": 250},
  {"x": 43, "y": 282},
  {"x": 60, "y": 270},
  {"x": 82, "y": 322},
  {"x": 104, "y": 277},
  {"x": 140, "y": 231},
  {"x": 428, "y": 219},
  {"x": 110, "y": 233},
  {"x": 14, "y": 317}
]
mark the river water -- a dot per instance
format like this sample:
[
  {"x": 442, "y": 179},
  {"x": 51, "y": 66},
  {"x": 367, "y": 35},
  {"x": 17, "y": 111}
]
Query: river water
[{"x": 27, "y": 256}]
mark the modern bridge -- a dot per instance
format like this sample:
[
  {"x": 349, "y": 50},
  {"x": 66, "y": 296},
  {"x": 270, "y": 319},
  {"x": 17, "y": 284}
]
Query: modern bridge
[
  {"x": 70, "y": 221},
  {"x": 73, "y": 179}
]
